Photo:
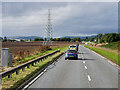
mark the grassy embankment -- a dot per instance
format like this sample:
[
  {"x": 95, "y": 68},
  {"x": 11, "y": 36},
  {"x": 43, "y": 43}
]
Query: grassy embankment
[
  {"x": 16, "y": 80},
  {"x": 38, "y": 55},
  {"x": 113, "y": 45},
  {"x": 106, "y": 53}
]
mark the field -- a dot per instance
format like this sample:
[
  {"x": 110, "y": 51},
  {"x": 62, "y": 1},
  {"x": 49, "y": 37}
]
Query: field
[
  {"x": 21, "y": 50},
  {"x": 18, "y": 79}
]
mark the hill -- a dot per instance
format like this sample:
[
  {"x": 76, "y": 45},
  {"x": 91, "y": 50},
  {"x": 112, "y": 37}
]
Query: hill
[{"x": 24, "y": 37}]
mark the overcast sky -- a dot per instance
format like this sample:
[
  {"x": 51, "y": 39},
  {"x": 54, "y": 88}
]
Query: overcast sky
[{"x": 68, "y": 19}]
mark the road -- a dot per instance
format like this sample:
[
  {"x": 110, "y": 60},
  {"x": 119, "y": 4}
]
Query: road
[{"x": 90, "y": 71}]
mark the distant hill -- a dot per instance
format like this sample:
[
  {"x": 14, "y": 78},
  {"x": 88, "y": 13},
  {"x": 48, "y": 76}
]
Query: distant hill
[
  {"x": 24, "y": 37},
  {"x": 82, "y": 37},
  {"x": 32, "y": 37}
]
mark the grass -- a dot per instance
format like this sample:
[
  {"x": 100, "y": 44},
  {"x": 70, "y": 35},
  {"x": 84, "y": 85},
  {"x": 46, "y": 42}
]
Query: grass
[
  {"x": 112, "y": 45},
  {"x": 41, "y": 54},
  {"x": 16, "y": 80},
  {"x": 110, "y": 55}
]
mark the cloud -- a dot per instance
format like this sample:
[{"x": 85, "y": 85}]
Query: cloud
[
  {"x": 61, "y": 1},
  {"x": 67, "y": 18}
]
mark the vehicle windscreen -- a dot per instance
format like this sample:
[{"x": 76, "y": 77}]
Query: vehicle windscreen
[
  {"x": 71, "y": 51},
  {"x": 72, "y": 46}
]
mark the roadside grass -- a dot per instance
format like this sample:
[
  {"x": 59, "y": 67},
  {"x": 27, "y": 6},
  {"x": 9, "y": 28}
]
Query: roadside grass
[
  {"x": 16, "y": 80},
  {"x": 112, "y": 45},
  {"x": 106, "y": 53},
  {"x": 41, "y": 54}
]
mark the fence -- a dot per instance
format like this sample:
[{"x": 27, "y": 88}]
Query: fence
[{"x": 27, "y": 64}]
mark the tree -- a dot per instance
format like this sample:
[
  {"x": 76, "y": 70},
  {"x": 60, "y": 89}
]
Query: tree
[
  {"x": 76, "y": 39},
  {"x": 38, "y": 39},
  {"x": 5, "y": 39},
  {"x": 99, "y": 36}
]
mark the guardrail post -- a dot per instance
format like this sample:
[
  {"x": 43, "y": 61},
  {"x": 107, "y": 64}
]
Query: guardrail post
[
  {"x": 23, "y": 69},
  {"x": 28, "y": 66},
  {"x": 17, "y": 72},
  {"x": 41, "y": 60},
  {"x": 10, "y": 75},
  {"x": 58, "y": 50},
  {"x": 35, "y": 62},
  {"x": 32, "y": 64}
]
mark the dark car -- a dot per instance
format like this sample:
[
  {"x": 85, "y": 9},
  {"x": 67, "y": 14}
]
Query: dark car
[
  {"x": 77, "y": 46},
  {"x": 71, "y": 54}
]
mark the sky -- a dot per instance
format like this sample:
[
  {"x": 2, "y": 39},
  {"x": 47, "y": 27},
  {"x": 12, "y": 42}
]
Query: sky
[{"x": 68, "y": 18}]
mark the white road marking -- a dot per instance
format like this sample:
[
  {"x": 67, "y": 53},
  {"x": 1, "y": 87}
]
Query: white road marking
[
  {"x": 89, "y": 78},
  {"x": 85, "y": 67},
  {"x": 105, "y": 58},
  {"x": 111, "y": 63},
  {"x": 34, "y": 79},
  {"x": 83, "y": 61}
]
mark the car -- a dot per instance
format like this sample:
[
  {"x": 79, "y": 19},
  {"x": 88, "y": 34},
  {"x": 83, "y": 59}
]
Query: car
[
  {"x": 77, "y": 45},
  {"x": 72, "y": 47},
  {"x": 71, "y": 54}
]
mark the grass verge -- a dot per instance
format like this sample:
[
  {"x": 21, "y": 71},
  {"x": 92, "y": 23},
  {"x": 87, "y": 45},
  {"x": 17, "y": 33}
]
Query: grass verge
[
  {"x": 17, "y": 80},
  {"x": 110, "y": 55},
  {"x": 40, "y": 54},
  {"x": 112, "y": 45}
]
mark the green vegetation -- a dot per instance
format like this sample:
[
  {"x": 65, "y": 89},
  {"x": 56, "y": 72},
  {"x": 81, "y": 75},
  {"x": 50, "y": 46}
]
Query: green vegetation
[
  {"x": 112, "y": 45},
  {"x": 62, "y": 48},
  {"x": 38, "y": 39},
  {"x": 77, "y": 39},
  {"x": 17, "y": 80},
  {"x": 110, "y": 55},
  {"x": 104, "y": 38},
  {"x": 108, "y": 37}
]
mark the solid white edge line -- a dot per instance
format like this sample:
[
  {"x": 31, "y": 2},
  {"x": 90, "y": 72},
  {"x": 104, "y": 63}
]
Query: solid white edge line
[
  {"x": 34, "y": 79},
  {"x": 105, "y": 58},
  {"x": 89, "y": 78}
]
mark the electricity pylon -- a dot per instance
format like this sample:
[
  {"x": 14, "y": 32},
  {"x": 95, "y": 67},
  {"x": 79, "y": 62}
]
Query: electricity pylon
[{"x": 48, "y": 31}]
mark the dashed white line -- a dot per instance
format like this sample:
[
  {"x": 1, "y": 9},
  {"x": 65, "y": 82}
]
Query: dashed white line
[
  {"x": 85, "y": 67},
  {"x": 83, "y": 61},
  {"x": 105, "y": 58},
  {"x": 89, "y": 78}
]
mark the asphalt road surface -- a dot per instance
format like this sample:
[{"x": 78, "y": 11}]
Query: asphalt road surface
[{"x": 90, "y": 71}]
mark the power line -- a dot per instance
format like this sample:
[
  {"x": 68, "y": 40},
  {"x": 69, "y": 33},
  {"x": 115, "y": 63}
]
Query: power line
[{"x": 48, "y": 31}]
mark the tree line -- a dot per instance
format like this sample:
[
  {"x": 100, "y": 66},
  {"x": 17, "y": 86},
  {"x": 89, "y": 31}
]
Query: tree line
[
  {"x": 100, "y": 38},
  {"x": 108, "y": 37}
]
